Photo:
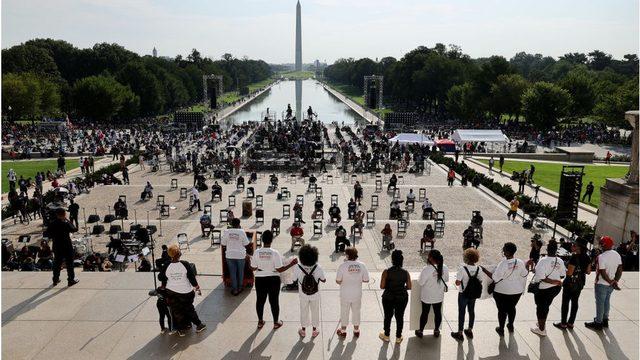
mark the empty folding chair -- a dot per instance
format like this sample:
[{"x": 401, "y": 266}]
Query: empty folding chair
[
  {"x": 329, "y": 179},
  {"x": 354, "y": 178},
  {"x": 259, "y": 216},
  {"x": 300, "y": 199},
  {"x": 216, "y": 237},
  {"x": 318, "y": 193},
  {"x": 378, "y": 185},
  {"x": 224, "y": 216},
  {"x": 422, "y": 194},
  {"x": 286, "y": 210},
  {"x": 232, "y": 200},
  {"x": 174, "y": 184},
  {"x": 371, "y": 218},
  {"x": 374, "y": 201},
  {"x": 164, "y": 210},
  {"x": 183, "y": 240},
  {"x": 259, "y": 201},
  {"x": 317, "y": 227},
  {"x": 183, "y": 193},
  {"x": 159, "y": 201},
  {"x": 208, "y": 210},
  {"x": 334, "y": 199},
  {"x": 402, "y": 227}
]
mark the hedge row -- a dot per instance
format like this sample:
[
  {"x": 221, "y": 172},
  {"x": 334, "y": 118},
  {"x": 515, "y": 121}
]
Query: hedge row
[{"x": 506, "y": 192}]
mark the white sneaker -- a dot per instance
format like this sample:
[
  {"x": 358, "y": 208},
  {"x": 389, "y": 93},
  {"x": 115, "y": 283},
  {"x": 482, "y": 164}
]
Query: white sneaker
[{"x": 537, "y": 331}]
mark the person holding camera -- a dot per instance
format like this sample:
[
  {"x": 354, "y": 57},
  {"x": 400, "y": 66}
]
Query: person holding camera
[{"x": 59, "y": 231}]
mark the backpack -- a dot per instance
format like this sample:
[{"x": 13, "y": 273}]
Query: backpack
[
  {"x": 473, "y": 290},
  {"x": 309, "y": 284}
]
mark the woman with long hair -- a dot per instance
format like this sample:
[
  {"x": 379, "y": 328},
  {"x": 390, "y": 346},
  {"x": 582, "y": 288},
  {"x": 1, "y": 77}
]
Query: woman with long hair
[{"x": 433, "y": 284}]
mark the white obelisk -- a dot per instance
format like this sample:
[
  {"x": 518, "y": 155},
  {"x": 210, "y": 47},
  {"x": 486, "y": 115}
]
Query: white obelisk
[{"x": 298, "y": 38}]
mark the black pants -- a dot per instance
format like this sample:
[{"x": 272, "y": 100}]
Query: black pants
[
  {"x": 424, "y": 316},
  {"x": 268, "y": 286},
  {"x": 58, "y": 259},
  {"x": 74, "y": 220},
  {"x": 182, "y": 311},
  {"x": 163, "y": 311},
  {"x": 506, "y": 305},
  {"x": 394, "y": 307},
  {"x": 543, "y": 300},
  {"x": 450, "y": 181},
  {"x": 196, "y": 202},
  {"x": 586, "y": 195},
  {"x": 569, "y": 297}
]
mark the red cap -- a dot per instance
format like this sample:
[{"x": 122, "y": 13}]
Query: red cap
[{"x": 606, "y": 242}]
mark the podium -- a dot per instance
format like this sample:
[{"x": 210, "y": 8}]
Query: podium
[{"x": 248, "y": 279}]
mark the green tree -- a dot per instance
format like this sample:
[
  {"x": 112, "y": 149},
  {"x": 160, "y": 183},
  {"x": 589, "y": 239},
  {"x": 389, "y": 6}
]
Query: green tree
[
  {"x": 102, "y": 98},
  {"x": 461, "y": 102},
  {"x": 611, "y": 106},
  {"x": 21, "y": 93},
  {"x": 506, "y": 95},
  {"x": 145, "y": 85},
  {"x": 579, "y": 84},
  {"x": 543, "y": 104}
]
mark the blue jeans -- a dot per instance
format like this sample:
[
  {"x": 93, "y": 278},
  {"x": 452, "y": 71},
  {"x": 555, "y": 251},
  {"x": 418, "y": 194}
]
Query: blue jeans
[
  {"x": 603, "y": 296},
  {"x": 465, "y": 303},
  {"x": 236, "y": 271}
]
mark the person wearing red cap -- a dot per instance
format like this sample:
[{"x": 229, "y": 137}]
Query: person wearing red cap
[{"x": 609, "y": 271}]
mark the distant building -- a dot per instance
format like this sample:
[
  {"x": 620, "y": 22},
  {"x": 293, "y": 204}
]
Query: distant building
[
  {"x": 316, "y": 63},
  {"x": 155, "y": 52}
]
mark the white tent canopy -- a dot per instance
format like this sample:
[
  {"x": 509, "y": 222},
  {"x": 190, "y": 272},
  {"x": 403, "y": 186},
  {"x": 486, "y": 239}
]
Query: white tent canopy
[
  {"x": 409, "y": 138},
  {"x": 491, "y": 136}
]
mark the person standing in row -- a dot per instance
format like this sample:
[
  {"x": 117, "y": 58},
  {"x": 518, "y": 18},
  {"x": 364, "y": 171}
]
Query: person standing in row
[
  {"x": 609, "y": 266},
  {"x": 395, "y": 282},
  {"x": 234, "y": 242},
  {"x": 59, "y": 231},
  {"x": 510, "y": 279},
  {"x": 433, "y": 284},
  {"x": 350, "y": 276},
  {"x": 470, "y": 288},
  {"x": 267, "y": 264},
  {"x": 549, "y": 272},
  {"x": 578, "y": 268},
  {"x": 309, "y": 275}
]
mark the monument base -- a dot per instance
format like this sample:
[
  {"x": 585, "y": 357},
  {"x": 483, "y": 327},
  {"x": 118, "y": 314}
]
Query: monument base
[{"x": 618, "y": 211}]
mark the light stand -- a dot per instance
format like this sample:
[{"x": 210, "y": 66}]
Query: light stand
[{"x": 151, "y": 246}]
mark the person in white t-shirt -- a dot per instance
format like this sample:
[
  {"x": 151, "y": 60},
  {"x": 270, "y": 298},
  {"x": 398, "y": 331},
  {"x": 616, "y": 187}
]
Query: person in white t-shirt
[
  {"x": 350, "y": 275},
  {"x": 234, "y": 242},
  {"x": 466, "y": 303},
  {"x": 609, "y": 273},
  {"x": 267, "y": 264},
  {"x": 510, "y": 278},
  {"x": 178, "y": 282},
  {"x": 433, "y": 284},
  {"x": 308, "y": 289},
  {"x": 549, "y": 272}
]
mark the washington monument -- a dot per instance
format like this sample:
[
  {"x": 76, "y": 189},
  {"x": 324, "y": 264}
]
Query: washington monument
[{"x": 298, "y": 39}]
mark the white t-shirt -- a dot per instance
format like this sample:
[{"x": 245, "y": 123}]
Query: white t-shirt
[
  {"x": 352, "y": 274},
  {"x": 177, "y": 280},
  {"x": 432, "y": 288},
  {"x": 235, "y": 240},
  {"x": 318, "y": 274},
  {"x": 609, "y": 261},
  {"x": 464, "y": 278},
  {"x": 510, "y": 276},
  {"x": 550, "y": 267},
  {"x": 267, "y": 260}
]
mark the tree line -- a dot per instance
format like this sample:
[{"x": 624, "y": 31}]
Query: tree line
[
  {"x": 46, "y": 77},
  {"x": 444, "y": 82}
]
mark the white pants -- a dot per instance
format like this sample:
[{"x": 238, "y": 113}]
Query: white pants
[
  {"x": 307, "y": 304},
  {"x": 354, "y": 306}
]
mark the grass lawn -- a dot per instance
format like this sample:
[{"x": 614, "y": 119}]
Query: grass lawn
[
  {"x": 548, "y": 175},
  {"x": 296, "y": 75},
  {"x": 28, "y": 169},
  {"x": 355, "y": 93}
]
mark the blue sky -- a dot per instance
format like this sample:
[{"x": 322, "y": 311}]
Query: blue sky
[{"x": 330, "y": 28}]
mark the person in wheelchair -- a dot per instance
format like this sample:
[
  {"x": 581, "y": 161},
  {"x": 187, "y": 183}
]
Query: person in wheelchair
[
  {"x": 120, "y": 208},
  {"x": 147, "y": 193},
  {"x": 352, "y": 207},
  {"x": 334, "y": 214},
  {"x": 216, "y": 189},
  {"x": 427, "y": 209}
]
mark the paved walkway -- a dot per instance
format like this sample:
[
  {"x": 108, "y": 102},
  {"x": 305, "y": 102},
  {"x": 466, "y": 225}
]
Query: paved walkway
[
  {"x": 367, "y": 115},
  {"x": 110, "y": 316},
  {"x": 585, "y": 212}
]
